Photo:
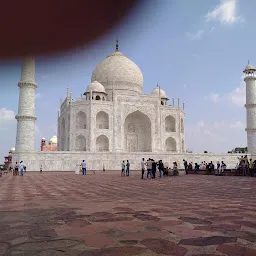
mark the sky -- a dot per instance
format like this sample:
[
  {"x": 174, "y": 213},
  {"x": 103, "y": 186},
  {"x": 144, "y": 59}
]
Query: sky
[{"x": 196, "y": 50}]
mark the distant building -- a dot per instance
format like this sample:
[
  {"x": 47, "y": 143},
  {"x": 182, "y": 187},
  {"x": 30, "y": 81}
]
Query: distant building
[
  {"x": 52, "y": 146},
  {"x": 8, "y": 159}
]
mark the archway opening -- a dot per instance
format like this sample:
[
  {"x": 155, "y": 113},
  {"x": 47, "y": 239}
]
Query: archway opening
[
  {"x": 80, "y": 143},
  {"x": 81, "y": 120},
  {"x": 97, "y": 97},
  {"x": 102, "y": 143},
  {"x": 137, "y": 133},
  {"x": 102, "y": 120},
  {"x": 170, "y": 144},
  {"x": 170, "y": 124}
]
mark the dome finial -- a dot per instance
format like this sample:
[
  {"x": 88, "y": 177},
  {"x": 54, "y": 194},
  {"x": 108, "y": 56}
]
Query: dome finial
[
  {"x": 117, "y": 44},
  {"x": 248, "y": 62}
]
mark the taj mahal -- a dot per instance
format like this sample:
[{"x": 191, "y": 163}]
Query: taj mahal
[{"x": 114, "y": 120}]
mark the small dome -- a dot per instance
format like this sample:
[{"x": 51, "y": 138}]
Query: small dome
[
  {"x": 160, "y": 91},
  {"x": 249, "y": 68},
  {"x": 12, "y": 150},
  {"x": 95, "y": 86},
  {"x": 53, "y": 140}
]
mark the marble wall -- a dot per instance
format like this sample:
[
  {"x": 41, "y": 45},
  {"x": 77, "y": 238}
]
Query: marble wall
[{"x": 69, "y": 161}]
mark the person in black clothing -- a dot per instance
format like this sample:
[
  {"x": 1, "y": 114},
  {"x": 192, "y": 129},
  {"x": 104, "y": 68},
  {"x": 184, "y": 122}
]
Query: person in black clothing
[
  {"x": 154, "y": 169},
  {"x": 185, "y": 166}
]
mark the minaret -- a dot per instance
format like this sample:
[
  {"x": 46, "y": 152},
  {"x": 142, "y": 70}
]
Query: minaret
[
  {"x": 250, "y": 105},
  {"x": 25, "y": 136}
]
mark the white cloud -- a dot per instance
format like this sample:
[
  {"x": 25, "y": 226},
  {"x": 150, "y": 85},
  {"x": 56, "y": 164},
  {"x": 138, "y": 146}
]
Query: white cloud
[
  {"x": 6, "y": 114},
  {"x": 215, "y": 136},
  {"x": 195, "y": 36},
  {"x": 238, "y": 95},
  {"x": 225, "y": 12},
  {"x": 214, "y": 97},
  {"x": 237, "y": 125}
]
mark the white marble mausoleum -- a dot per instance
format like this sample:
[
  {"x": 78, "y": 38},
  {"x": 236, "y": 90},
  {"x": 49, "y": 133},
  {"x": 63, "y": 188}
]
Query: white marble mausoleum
[{"x": 112, "y": 121}]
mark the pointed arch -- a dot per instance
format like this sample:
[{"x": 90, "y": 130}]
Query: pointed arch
[
  {"x": 170, "y": 144},
  {"x": 80, "y": 143},
  {"x": 137, "y": 132},
  {"x": 81, "y": 120},
  {"x": 102, "y": 120},
  {"x": 170, "y": 124},
  {"x": 102, "y": 143}
]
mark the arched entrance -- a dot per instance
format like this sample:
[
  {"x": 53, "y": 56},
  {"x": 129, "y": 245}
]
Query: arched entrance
[
  {"x": 170, "y": 144},
  {"x": 137, "y": 133},
  {"x": 80, "y": 143}
]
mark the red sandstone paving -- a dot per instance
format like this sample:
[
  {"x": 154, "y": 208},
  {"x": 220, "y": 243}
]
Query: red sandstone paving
[{"x": 105, "y": 214}]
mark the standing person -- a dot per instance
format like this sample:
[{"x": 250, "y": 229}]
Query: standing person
[
  {"x": 185, "y": 166},
  {"x": 41, "y": 168},
  {"x": 83, "y": 164},
  {"x": 21, "y": 168},
  {"x": 153, "y": 169},
  {"x": 127, "y": 168},
  {"x": 149, "y": 168},
  {"x": 161, "y": 168},
  {"x": 123, "y": 169},
  {"x": 143, "y": 168},
  {"x": 16, "y": 169}
]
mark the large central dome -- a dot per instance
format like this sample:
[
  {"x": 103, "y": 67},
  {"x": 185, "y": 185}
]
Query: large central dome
[{"x": 118, "y": 72}]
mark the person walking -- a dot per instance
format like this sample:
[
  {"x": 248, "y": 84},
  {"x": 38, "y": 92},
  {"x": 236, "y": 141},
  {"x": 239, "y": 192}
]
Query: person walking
[
  {"x": 143, "y": 168},
  {"x": 83, "y": 164},
  {"x": 127, "y": 168},
  {"x": 16, "y": 169},
  {"x": 123, "y": 169},
  {"x": 21, "y": 168}
]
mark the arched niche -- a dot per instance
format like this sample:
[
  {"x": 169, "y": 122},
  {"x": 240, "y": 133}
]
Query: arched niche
[
  {"x": 137, "y": 132},
  {"x": 81, "y": 120},
  {"x": 97, "y": 97},
  {"x": 80, "y": 144},
  {"x": 182, "y": 125},
  {"x": 102, "y": 120},
  {"x": 170, "y": 124},
  {"x": 63, "y": 132},
  {"x": 102, "y": 143},
  {"x": 170, "y": 144}
]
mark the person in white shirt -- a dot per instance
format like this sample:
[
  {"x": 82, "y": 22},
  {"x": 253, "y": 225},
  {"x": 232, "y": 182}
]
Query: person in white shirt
[
  {"x": 21, "y": 168},
  {"x": 83, "y": 164},
  {"x": 143, "y": 168}
]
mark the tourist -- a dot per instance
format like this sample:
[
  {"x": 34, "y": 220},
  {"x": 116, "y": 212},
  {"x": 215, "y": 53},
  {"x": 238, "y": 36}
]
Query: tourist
[
  {"x": 175, "y": 169},
  {"x": 143, "y": 168},
  {"x": 123, "y": 169},
  {"x": 21, "y": 168},
  {"x": 185, "y": 163},
  {"x": 83, "y": 164},
  {"x": 149, "y": 168},
  {"x": 251, "y": 167},
  {"x": 127, "y": 168},
  {"x": 153, "y": 168},
  {"x": 16, "y": 169},
  {"x": 160, "y": 168},
  {"x": 218, "y": 167},
  {"x": 222, "y": 167}
]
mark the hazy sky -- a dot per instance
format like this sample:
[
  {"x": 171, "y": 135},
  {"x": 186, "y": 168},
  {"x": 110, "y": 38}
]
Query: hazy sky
[{"x": 195, "y": 50}]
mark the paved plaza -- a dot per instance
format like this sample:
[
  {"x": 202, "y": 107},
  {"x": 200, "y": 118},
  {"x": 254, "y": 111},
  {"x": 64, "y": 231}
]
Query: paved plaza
[{"x": 105, "y": 214}]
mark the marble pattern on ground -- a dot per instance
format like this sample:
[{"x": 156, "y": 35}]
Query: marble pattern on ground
[{"x": 105, "y": 214}]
